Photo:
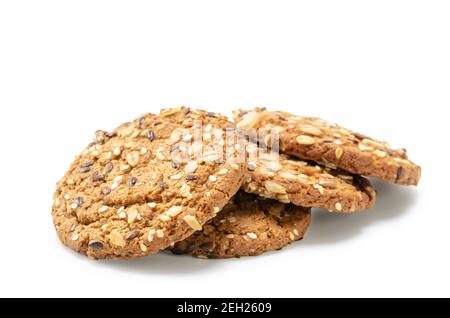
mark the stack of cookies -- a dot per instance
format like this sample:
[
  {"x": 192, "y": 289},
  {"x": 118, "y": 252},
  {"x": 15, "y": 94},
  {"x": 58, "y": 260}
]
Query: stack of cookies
[{"x": 195, "y": 183}]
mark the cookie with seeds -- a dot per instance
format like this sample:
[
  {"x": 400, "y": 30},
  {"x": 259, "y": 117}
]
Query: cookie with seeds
[
  {"x": 148, "y": 184},
  {"x": 247, "y": 226},
  {"x": 307, "y": 184},
  {"x": 315, "y": 139}
]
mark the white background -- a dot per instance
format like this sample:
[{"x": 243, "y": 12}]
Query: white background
[{"x": 378, "y": 67}]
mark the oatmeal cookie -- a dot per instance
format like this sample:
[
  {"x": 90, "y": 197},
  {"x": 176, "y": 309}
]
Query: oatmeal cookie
[
  {"x": 307, "y": 184},
  {"x": 146, "y": 185},
  {"x": 248, "y": 226},
  {"x": 315, "y": 139}
]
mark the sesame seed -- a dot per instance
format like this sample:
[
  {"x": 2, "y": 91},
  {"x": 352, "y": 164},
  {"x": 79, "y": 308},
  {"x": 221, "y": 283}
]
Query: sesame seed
[
  {"x": 296, "y": 232},
  {"x": 292, "y": 236},
  {"x": 176, "y": 177},
  {"x": 118, "y": 178},
  {"x": 74, "y": 206},
  {"x": 305, "y": 140},
  {"x": 174, "y": 210},
  {"x": 164, "y": 217},
  {"x": 380, "y": 153},
  {"x": 143, "y": 247},
  {"x": 103, "y": 209},
  {"x": 339, "y": 152},
  {"x": 363, "y": 147},
  {"x": 216, "y": 209},
  {"x": 151, "y": 234},
  {"x": 152, "y": 205},
  {"x": 124, "y": 168},
  {"x": 253, "y": 236},
  {"x": 114, "y": 186},
  {"x": 212, "y": 178},
  {"x": 230, "y": 236},
  {"x": 160, "y": 233},
  {"x": 66, "y": 197},
  {"x": 223, "y": 171},
  {"x": 75, "y": 237},
  {"x": 144, "y": 150},
  {"x": 338, "y": 206}
]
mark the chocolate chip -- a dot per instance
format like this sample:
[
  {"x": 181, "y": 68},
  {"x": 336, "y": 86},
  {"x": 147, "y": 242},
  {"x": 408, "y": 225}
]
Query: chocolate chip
[
  {"x": 191, "y": 177},
  {"x": 175, "y": 165},
  {"x": 95, "y": 245},
  {"x": 85, "y": 169},
  {"x": 132, "y": 181},
  {"x": 132, "y": 235},
  {"x": 141, "y": 121},
  {"x": 79, "y": 201},
  {"x": 109, "y": 166},
  {"x": 151, "y": 135},
  {"x": 162, "y": 185},
  {"x": 399, "y": 173},
  {"x": 97, "y": 177},
  {"x": 106, "y": 191}
]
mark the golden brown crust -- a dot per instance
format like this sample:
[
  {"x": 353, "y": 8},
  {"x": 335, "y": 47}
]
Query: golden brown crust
[
  {"x": 126, "y": 196},
  {"x": 247, "y": 226},
  {"x": 312, "y": 138}
]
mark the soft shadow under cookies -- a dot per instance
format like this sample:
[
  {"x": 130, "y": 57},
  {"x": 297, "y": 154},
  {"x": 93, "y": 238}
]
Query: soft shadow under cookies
[{"x": 328, "y": 228}]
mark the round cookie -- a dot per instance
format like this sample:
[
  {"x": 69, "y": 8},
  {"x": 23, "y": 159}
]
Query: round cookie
[
  {"x": 148, "y": 184},
  {"x": 315, "y": 139},
  {"x": 307, "y": 184},
  {"x": 247, "y": 226}
]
